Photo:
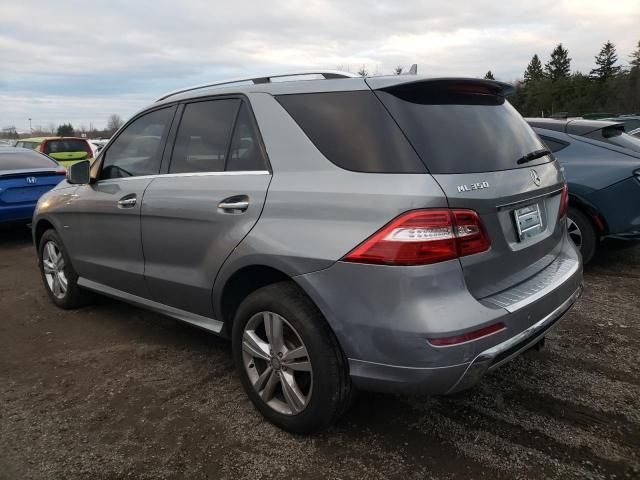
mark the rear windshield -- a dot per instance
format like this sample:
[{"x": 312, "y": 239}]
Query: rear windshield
[
  {"x": 66, "y": 145},
  {"x": 30, "y": 145},
  {"x": 19, "y": 159},
  {"x": 462, "y": 128},
  {"x": 353, "y": 130},
  {"x": 615, "y": 136}
]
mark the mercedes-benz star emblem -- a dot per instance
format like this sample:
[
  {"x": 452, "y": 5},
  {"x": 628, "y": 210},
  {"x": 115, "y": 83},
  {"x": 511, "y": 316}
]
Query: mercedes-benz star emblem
[{"x": 536, "y": 178}]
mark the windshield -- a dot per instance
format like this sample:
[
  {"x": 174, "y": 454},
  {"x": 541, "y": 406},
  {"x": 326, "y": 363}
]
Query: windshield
[{"x": 459, "y": 128}]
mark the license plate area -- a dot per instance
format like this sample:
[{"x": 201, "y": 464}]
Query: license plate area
[{"x": 528, "y": 221}]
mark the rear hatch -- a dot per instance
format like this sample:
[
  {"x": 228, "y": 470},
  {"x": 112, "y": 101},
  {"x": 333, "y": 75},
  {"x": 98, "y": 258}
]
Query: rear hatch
[
  {"x": 486, "y": 158},
  {"x": 68, "y": 149}
]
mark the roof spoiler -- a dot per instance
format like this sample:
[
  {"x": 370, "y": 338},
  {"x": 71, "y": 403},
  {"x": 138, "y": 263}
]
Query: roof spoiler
[{"x": 390, "y": 82}]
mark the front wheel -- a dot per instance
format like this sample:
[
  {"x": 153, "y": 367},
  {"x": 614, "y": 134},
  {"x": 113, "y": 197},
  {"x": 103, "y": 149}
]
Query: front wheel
[
  {"x": 58, "y": 275},
  {"x": 289, "y": 360}
]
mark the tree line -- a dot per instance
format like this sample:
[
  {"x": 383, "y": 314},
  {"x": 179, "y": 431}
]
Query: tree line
[
  {"x": 114, "y": 122},
  {"x": 554, "y": 89}
]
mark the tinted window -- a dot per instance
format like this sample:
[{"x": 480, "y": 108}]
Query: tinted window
[
  {"x": 246, "y": 152},
  {"x": 203, "y": 136},
  {"x": 14, "y": 159},
  {"x": 615, "y": 136},
  {"x": 353, "y": 130},
  {"x": 30, "y": 145},
  {"x": 462, "y": 128},
  {"x": 554, "y": 145},
  {"x": 138, "y": 149}
]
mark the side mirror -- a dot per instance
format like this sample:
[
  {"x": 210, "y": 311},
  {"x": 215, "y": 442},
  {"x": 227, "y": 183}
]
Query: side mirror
[{"x": 79, "y": 173}]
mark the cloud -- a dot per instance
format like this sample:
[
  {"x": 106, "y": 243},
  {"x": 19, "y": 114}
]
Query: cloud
[{"x": 116, "y": 56}]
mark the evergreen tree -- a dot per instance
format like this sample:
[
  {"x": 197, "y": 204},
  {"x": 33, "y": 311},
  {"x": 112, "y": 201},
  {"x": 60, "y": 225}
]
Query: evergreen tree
[
  {"x": 606, "y": 62},
  {"x": 534, "y": 70},
  {"x": 635, "y": 58},
  {"x": 65, "y": 130},
  {"x": 489, "y": 76},
  {"x": 559, "y": 65}
]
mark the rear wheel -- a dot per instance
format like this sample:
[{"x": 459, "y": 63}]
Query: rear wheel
[
  {"x": 582, "y": 233},
  {"x": 289, "y": 360},
  {"x": 59, "y": 277}
]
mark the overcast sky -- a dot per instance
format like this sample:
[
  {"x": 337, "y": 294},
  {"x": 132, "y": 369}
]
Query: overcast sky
[{"x": 80, "y": 61}]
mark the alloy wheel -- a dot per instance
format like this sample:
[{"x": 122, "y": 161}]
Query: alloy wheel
[
  {"x": 53, "y": 266},
  {"x": 575, "y": 234},
  {"x": 277, "y": 363}
]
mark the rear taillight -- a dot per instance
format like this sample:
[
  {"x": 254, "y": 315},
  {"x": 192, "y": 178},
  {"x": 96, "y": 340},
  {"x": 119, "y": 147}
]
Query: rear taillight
[
  {"x": 61, "y": 171},
  {"x": 564, "y": 201},
  {"x": 467, "y": 337},
  {"x": 421, "y": 237}
]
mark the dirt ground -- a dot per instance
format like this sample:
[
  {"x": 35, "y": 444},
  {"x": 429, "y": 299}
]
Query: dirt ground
[{"x": 111, "y": 391}]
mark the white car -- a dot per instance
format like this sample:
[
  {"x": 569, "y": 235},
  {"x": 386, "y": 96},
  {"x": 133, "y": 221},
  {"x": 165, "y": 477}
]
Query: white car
[{"x": 97, "y": 145}]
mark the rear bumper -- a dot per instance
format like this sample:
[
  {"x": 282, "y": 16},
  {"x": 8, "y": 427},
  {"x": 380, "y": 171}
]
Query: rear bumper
[
  {"x": 493, "y": 357},
  {"x": 384, "y": 316},
  {"x": 454, "y": 378},
  {"x": 17, "y": 213}
]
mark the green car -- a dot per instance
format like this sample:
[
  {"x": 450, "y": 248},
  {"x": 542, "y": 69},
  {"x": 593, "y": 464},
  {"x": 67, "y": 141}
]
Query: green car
[{"x": 66, "y": 150}]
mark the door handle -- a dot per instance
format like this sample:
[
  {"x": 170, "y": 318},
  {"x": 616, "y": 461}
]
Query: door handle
[
  {"x": 234, "y": 204},
  {"x": 127, "y": 201}
]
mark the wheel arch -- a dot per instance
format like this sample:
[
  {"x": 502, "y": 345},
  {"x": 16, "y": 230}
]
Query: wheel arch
[
  {"x": 596, "y": 218},
  {"x": 39, "y": 228},
  {"x": 239, "y": 285}
]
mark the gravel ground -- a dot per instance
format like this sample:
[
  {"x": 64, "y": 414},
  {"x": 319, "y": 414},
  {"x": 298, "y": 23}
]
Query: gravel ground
[{"x": 111, "y": 391}]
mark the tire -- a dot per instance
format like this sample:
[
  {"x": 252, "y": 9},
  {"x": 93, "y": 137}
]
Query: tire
[
  {"x": 59, "y": 278},
  {"x": 583, "y": 233},
  {"x": 320, "y": 394}
]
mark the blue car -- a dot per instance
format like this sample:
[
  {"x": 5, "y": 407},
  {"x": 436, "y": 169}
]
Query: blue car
[
  {"x": 602, "y": 168},
  {"x": 25, "y": 176}
]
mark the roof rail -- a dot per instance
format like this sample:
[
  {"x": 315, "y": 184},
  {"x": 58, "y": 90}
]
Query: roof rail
[{"x": 327, "y": 74}]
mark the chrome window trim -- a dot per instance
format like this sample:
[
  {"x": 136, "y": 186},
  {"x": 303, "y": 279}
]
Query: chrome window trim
[{"x": 187, "y": 174}]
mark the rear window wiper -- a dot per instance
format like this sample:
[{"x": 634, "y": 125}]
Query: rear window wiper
[{"x": 533, "y": 155}]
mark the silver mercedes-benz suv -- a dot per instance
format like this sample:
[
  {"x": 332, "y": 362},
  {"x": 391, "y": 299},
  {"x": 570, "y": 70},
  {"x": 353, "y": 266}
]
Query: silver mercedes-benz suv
[{"x": 399, "y": 234}]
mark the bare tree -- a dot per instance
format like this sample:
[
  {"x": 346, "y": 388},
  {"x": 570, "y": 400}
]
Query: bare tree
[
  {"x": 363, "y": 71},
  {"x": 51, "y": 128},
  {"x": 114, "y": 123},
  {"x": 398, "y": 70}
]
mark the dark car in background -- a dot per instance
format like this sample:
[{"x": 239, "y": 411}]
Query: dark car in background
[
  {"x": 602, "y": 168},
  {"x": 25, "y": 176}
]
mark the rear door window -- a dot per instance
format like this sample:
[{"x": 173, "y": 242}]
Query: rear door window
[
  {"x": 353, "y": 130},
  {"x": 554, "y": 145},
  {"x": 461, "y": 128},
  {"x": 246, "y": 152},
  {"x": 202, "y": 142}
]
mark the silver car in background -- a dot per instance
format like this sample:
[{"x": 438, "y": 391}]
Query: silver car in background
[{"x": 401, "y": 234}]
